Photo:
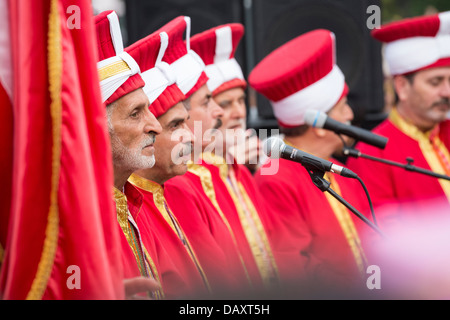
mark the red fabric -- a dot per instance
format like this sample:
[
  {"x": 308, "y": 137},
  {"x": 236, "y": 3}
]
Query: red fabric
[
  {"x": 235, "y": 83},
  {"x": 176, "y": 29},
  {"x": 424, "y": 26},
  {"x": 308, "y": 241},
  {"x": 295, "y": 65},
  {"x": 106, "y": 50},
  {"x": 104, "y": 41},
  {"x": 6, "y": 162},
  {"x": 145, "y": 52},
  {"x": 204, "y": 43},
  {"x": 135, "y": 202},
  {"x": 396, "y": 193},
  {"x": 87, "y": 235},
  {"x": 178, "y": 48},
  {"x": 228, "y": 207},
  {"x": 208, "y": 234},
  {"x": 178, "y": 273}
]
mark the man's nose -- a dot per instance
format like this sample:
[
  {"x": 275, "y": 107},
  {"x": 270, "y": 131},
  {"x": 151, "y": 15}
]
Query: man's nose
[{"x": 151, "y": 123}]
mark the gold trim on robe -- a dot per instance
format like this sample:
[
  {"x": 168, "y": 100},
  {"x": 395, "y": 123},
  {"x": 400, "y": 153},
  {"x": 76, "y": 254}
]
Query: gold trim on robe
[
  {"x": 250, "y": 221},
  {"x": 207, "y": 185},
  {"x": 166, "y": 212},
  {"x": 347, "y": 225},
  {"x": 423, "y": 138},
  {"x": 54, "y": 68},
  {"x": 145, "y": 263}
]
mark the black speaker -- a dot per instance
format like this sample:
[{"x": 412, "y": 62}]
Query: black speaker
[
  {"x": 146, "y": 16},
  {"x": 358, "y": 54}
]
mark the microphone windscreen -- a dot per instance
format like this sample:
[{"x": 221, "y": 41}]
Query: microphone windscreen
[
  {"x": 315, "y": 118},
  {"x": 272, "y": 147}
]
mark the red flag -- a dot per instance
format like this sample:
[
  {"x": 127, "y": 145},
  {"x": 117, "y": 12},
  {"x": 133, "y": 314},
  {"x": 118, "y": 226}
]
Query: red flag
[{"x": 62, "y": 239}]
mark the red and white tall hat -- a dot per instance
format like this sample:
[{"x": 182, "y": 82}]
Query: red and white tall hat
[
  {"x": 301, "y": 74},
  {"x": 415, "y": 44},
  {"x": 160, "y": 79},
  {"x": 217, "y": 47},
  {"x": 118, "y": 71},
  {"x": 188, "y": 67}
]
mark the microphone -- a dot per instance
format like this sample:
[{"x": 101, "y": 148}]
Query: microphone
[
  {"x": 275, "y": 148},
  {"x": 318, "y": 119}
]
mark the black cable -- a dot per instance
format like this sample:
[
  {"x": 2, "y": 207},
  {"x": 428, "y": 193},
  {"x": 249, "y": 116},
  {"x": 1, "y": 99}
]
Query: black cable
[
  {"x": 363, "y": 185},
  {"x": 368, "y": 198}
]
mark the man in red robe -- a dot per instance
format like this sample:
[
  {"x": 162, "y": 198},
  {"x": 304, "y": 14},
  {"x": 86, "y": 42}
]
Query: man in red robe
[
  {"x": 132, "y": 129},
  {"x": 315, "y": 237},
  {"x": 181, "y": 271},
  {"x": 58, "y": 227},
  {"x": 234, "y": 190},
  {"x": 208, "y": 228},
  {"x": 417, "y": 127}
]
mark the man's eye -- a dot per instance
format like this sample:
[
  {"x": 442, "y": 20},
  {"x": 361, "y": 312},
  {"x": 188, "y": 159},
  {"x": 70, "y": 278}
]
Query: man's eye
[
  {"x": 134, "y": 114},
  {"x": 435, "y": 82}
]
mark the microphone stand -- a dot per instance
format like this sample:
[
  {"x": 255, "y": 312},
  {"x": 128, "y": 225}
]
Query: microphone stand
[
  {"x": 324, "y": 185},
  {"x": 408, "y": 166}
]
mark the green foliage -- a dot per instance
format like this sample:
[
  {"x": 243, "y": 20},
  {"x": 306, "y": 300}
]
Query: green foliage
[{"x": 393, "y": 10}]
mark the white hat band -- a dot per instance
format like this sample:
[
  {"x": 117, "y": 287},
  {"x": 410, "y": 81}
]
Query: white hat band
[
  {"x": 188, "y": 70},
  {"x": 221, "y": 72},
  {"x": 408, "y": 55}
]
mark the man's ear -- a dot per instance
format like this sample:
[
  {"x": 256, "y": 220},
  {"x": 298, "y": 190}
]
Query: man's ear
[
  {"x": 402, "y": 87},
  {"x": 319, "y": 132}
]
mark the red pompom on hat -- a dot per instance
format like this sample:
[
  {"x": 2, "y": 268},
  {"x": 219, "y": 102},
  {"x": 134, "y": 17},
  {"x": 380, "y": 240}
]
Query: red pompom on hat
[
  {"x": 160, "y": 79},
  {"x": 217, "y": 47},
  {"x": 417, "y": 43},
  {"x": 118, "y": 71},
  {"x": 300, "y": 75}
]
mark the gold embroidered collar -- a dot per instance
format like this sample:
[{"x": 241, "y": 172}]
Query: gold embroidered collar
[{"x": 407, "y": 127}]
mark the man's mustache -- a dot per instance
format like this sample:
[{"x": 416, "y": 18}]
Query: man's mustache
[
  {"x": 149, "y": 140},
  {"x": 443, "y": 101},
  {"x": 218, "y": 123},
  {"x": 186, "y": 150}
]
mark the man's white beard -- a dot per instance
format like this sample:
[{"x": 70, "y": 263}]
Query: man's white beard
[{"x": 131, "y": 159}]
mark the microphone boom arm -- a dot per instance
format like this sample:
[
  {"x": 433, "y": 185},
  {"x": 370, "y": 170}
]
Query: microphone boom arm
[{"x": 408, "y": 166}]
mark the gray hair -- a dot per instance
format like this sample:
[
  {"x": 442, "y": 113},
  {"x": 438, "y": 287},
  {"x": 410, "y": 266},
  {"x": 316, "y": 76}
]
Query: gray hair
[{"x": 109, "y": 111}]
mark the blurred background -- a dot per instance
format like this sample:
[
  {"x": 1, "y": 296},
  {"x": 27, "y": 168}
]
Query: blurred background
[{"x": 271, "y": 23}]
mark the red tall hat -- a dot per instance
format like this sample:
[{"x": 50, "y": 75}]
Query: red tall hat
[
  {"x": 415, "y": 44},
  {"x": 217, "y": 47},
  {"x": 160, "y": 79},
  {"x": 118, "y": 72},
  {"x": 300, "y": 75},
  {"x": 187, "y": 66}
]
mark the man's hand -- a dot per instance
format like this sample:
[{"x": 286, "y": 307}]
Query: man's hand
[
  {"x": 136, "y": 287},
  {"x": 247, "y": 150}
]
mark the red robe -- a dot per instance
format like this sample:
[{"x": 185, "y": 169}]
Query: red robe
[
  {"x": 262, "y": 270},
  {"x": 180, "y": 272},
  {"x": 210, "y": 236},
  {"x": 397, "y": 193},
  {"x": 309, "y": 242},
  {"x": 138, "y": 248},
  {"x": 56, "y": 166}
]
